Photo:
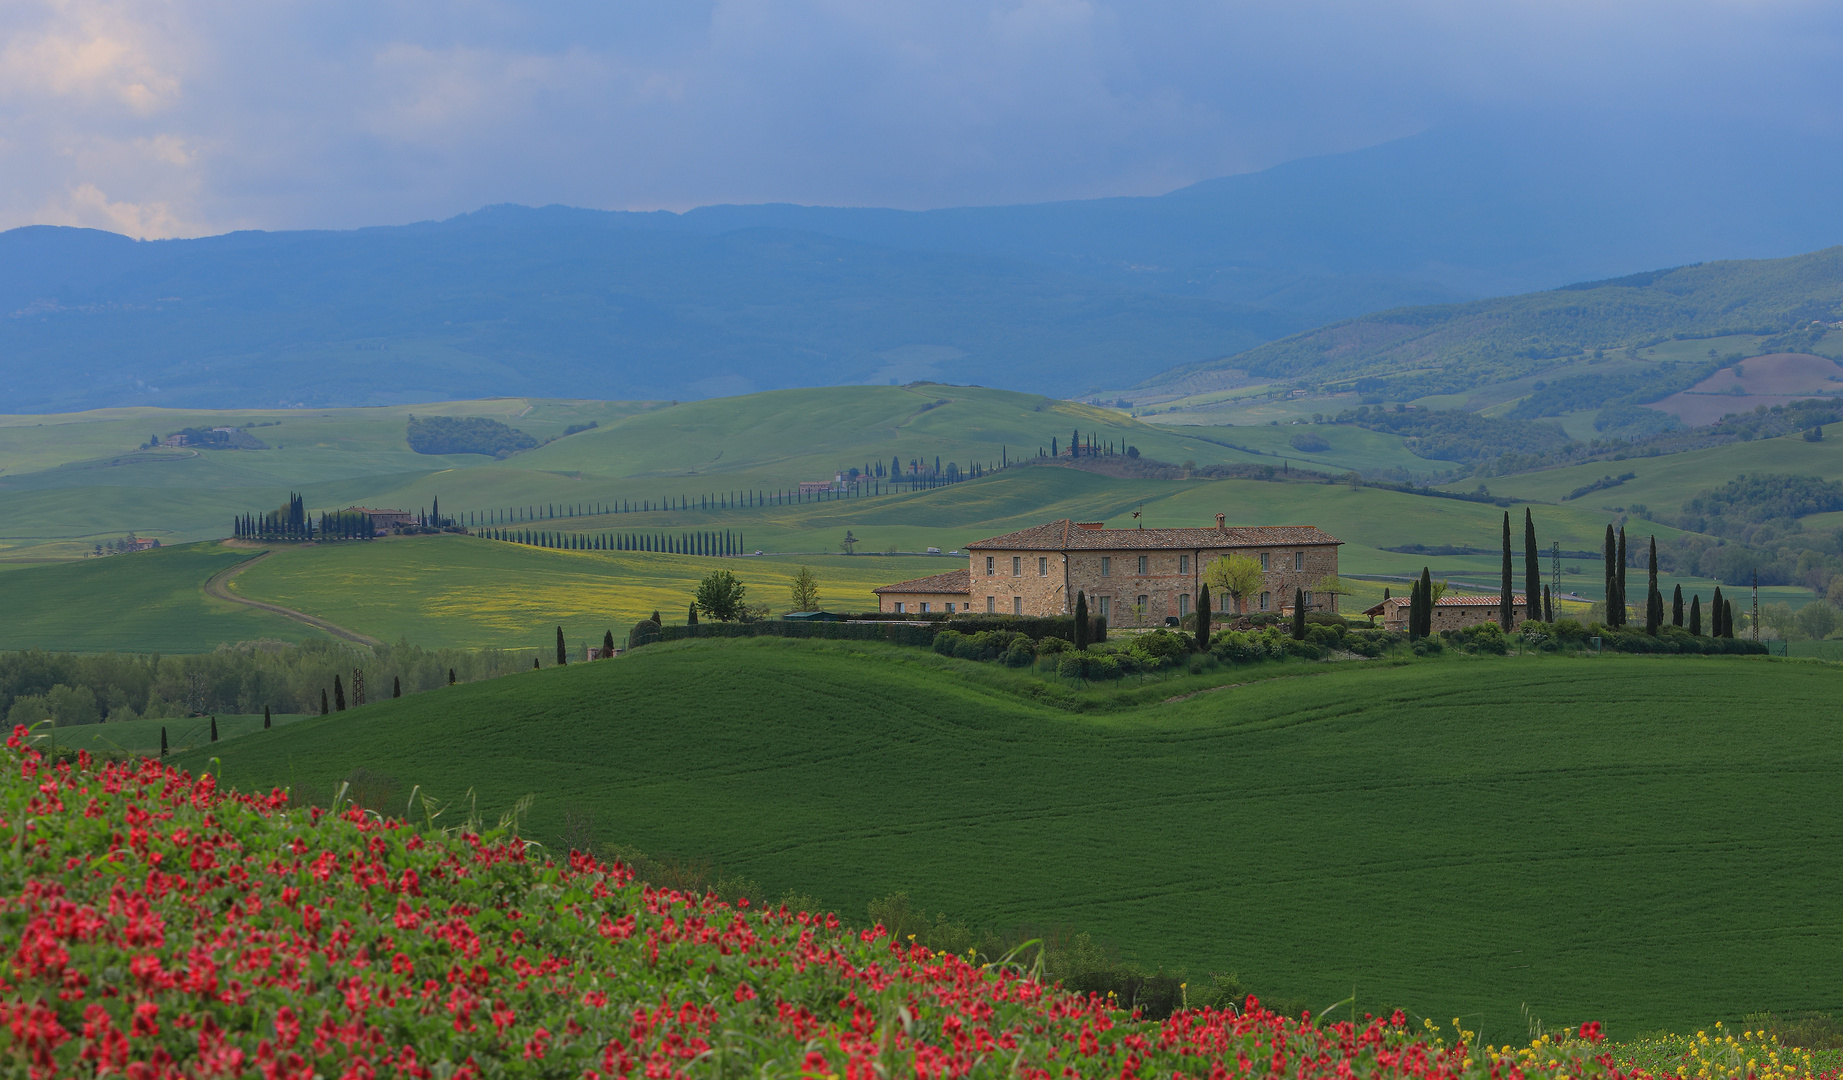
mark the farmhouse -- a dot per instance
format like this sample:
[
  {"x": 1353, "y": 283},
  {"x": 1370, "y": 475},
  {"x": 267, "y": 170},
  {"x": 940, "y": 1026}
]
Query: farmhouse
[
  {"x": 937, "y": 592},
  {"x": 382, "y": 521},
  {"x": 1449, "y": 612},
  {"x": 1132, "y": 576}
]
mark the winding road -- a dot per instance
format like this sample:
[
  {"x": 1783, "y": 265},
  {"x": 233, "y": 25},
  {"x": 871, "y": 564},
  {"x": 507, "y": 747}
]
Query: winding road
[{"x": 217, "y": 585}]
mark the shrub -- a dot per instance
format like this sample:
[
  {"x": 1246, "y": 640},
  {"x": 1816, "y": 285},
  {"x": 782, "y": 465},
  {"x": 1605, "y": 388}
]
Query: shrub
[
  {"x": 1020, "y": 654},
  {"x": 1159, "y": 648},
  {"x": 1050, "y": 646}
]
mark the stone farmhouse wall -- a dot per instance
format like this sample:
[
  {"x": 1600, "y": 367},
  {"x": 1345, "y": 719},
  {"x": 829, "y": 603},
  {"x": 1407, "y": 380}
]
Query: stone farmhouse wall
[{"x": 1027, "y": 582}]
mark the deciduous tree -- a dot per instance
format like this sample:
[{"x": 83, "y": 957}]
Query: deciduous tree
[
  {"x": 721, "y": 596},
  {"x": 804, "y": 592},
  {"x": 1237, "y": 576}
]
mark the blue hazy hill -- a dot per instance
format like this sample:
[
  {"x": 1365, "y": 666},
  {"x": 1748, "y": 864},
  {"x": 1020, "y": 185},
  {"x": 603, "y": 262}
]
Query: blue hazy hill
[{"x": 1056, "y": 297}]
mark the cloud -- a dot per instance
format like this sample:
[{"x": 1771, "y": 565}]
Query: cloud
[{"x": 202, "y": 115}]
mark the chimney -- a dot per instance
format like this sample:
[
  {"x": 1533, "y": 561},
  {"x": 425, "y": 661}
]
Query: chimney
[{"x": 1222, "y": 522}]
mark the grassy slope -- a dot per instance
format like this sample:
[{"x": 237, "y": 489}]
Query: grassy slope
[
  {"x": 1622, "y": 838},
  {"x": 151, "y": 600},
  {"x": 1663, "y": 484},
  {"x": 1484, "y": 341},
  {"x": 467, "y": 592},
  {"x": 471, "y": 592},
  {"x": 78, "y": 478}
]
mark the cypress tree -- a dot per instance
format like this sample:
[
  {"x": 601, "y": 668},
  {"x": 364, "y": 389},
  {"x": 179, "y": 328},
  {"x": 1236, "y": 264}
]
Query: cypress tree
[
  {"x": 691, "y": 615},
  {"x": 1506, "y": 607},
  {"x": 1548, "y": 605},
  {"x": 214, "y": 729},
  {"x": 1621, "y": 578},
  {"x": 323, "y": 709},
  {"x": 396, "y": 686},
  {"x": 163, "y": 740},
  {"x": 1075, "y": 443},
  {"x": 534, "y": 663},
  {"x": 1203, "y": 618},
  {"x": 561, "y": 658},
  {"x": 339, "y": 695},
  {"x": 1727, "y": 619},
  {"x": 1610, "y": 556},
  {"x": 1715, "y": 612},
  {"x": 1654, "y": 600},
  {"x": 1426, "y": 602},
  {"x": 1081, "y": 621},
  {"x": 1532, "y": 568},
  {"x": 1695, "y": 615},
  {"x": 1676, "y": 607},
  {"x": 608, "y": 643},
  {"x": 265, "y": 718},
  {"x": 1298, "y": 614}
]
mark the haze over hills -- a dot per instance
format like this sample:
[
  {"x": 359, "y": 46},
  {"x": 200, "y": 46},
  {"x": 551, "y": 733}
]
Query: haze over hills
[{"x": 1059, "y": 298}]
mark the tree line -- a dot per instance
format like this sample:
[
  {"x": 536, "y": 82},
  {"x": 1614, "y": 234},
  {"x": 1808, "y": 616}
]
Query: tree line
[
  {"x": 719, "y": 544},
  {"x": 245, "y": 678}
]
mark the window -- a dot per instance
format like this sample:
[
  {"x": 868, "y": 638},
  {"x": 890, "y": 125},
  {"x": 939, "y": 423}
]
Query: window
[
  {"x": 950, "y": 607},
  {"x": 899, "y": 608},
  {"x": 988, "y": 565},
  {"x": 1106, "y": 566},
  {"x": 1017, "y": 605},
  {"x": 991, "y": 605},
  {"x": 924, "y": 606},
  {"x": 1265, "y": 601},
  {"x": 1183, "y": 564},
  {"x": 1105, "y": 606},
  {"x": 1306, "y": 599},
  {"x": 1043, "y": 568},
  {"x": 1142, "y": 562},
  {"x": 1017, "y": 566},
  {"x": 1145, "y": 603},
  {"x": 1183, "y": 605},
  {"x": 1299, "y": 560}
]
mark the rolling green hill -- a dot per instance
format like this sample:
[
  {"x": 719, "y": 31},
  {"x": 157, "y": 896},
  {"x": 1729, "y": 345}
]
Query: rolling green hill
[
  {"x": 1447, "y": 349},
  {"x": 145, "y": 602},
  {"x": 70, "y": 481},
  {"x": 1629, "y": 839}
]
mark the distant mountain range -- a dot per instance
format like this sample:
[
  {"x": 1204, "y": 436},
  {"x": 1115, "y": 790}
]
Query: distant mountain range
[{"x": 1059, "y": 298}]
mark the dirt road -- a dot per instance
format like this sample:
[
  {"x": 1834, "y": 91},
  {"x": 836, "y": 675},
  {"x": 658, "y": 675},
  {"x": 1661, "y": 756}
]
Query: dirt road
[{"x": 217, "y": 586}]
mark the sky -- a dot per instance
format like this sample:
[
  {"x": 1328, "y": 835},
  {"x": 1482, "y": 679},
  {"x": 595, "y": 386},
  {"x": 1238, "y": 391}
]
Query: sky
[{"x": 163, "y": 118}]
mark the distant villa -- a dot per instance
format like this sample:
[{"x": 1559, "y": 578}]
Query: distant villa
[{"x": 1157, "y": 573}]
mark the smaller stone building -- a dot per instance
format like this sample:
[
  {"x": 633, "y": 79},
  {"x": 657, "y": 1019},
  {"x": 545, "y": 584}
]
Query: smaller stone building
[
  {"x": 936, "y": 592},
  {"x": 1449, "y": 612}
]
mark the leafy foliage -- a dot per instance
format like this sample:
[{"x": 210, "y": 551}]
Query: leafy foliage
[{"x": 1452, "y": 435}]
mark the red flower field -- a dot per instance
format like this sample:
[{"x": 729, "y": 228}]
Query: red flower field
[{"x": 159, "y": 927}]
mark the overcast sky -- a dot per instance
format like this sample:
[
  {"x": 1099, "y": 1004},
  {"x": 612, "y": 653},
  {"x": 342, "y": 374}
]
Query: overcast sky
[{"x": 187, "y": 117}]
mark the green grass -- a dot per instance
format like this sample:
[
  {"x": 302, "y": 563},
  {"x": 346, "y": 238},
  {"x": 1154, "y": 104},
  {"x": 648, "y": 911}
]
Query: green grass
[
  {"x": 1350, "y": 447},
  {"x": 143, "y": 736},
  {"x": 148, "y": 601},
  {"x": 72, "y": 480},
  {"x": 1622, "y": 838},
  {"x": 462, "y": 591},
  {"x": 456, "y": 591},
  {"x": 1663, "y": 484}
]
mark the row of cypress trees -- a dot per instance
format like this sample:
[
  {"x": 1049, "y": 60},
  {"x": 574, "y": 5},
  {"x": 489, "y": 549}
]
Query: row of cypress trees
[{"x": 686, "y": 543}]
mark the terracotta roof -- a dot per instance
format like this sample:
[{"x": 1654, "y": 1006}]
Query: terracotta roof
[
  {"x": 1450, "y": 601},
  {"x": 953, "y": 581},
  {"x": 1066, "y": 535}
]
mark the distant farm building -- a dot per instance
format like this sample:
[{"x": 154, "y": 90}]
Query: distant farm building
[
  {"x": 382, "y": 521},
  {"x": 1449, "y": 612},
  {"x": 937, "y": 592}
]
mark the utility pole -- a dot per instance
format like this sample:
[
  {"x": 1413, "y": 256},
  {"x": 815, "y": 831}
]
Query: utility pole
[
  {"x": 1756, "y": 605},
  {"x": 1555, "y": 571}
]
